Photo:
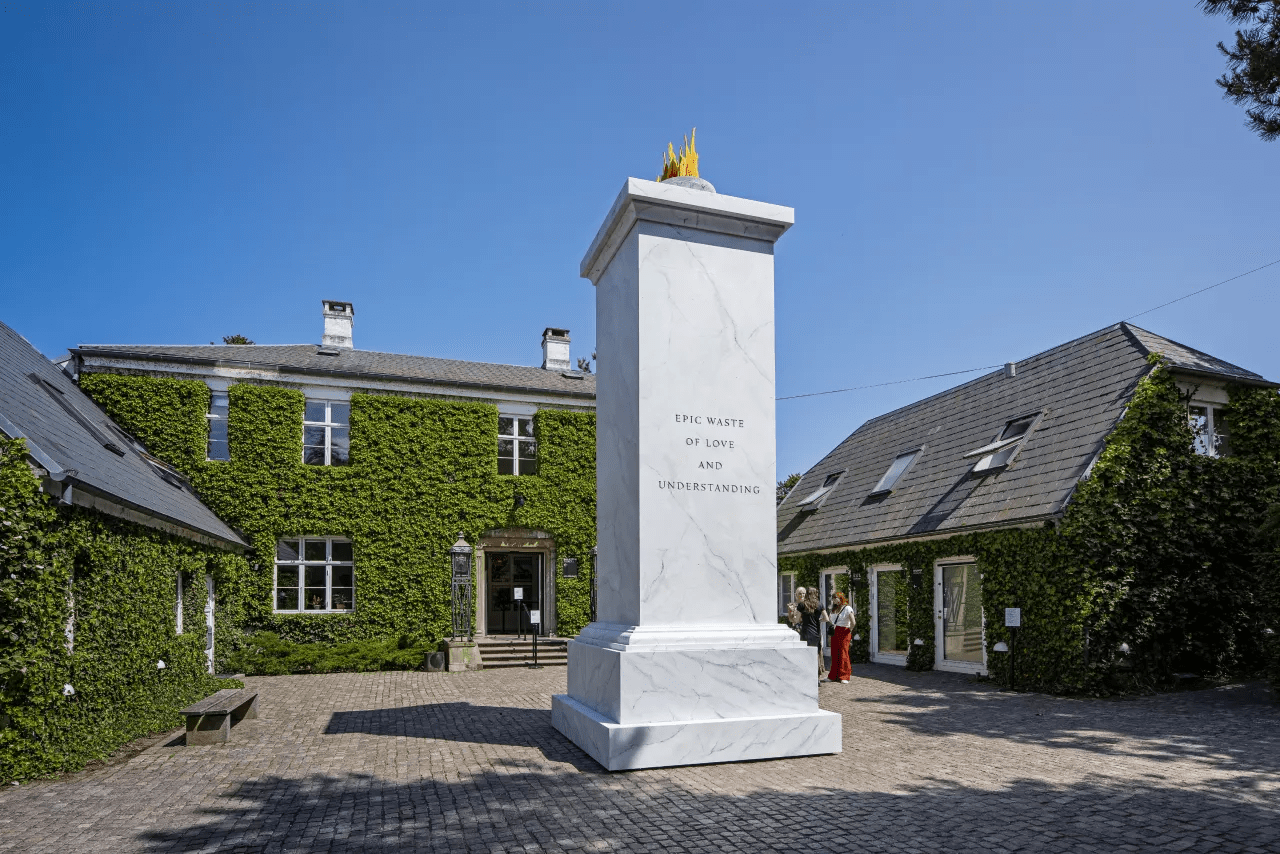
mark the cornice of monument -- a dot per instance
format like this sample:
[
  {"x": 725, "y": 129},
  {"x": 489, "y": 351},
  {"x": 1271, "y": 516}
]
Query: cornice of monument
[{"x": 652, "y": 201}]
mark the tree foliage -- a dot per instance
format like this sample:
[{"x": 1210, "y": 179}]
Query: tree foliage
[{"x": 1253, "y": 62}]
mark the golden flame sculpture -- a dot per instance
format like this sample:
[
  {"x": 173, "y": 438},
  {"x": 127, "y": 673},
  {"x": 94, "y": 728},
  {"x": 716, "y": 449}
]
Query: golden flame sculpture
[{"x": 685, "y": 163}]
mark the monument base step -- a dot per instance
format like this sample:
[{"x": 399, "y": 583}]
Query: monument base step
[{"x": 626, "y": 747}]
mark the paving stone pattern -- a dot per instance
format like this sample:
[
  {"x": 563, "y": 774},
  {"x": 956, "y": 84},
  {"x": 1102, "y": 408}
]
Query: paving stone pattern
[{"x": 469, "y": 762}]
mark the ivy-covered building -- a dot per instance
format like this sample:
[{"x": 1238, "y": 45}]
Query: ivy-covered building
[
  {"x": 1110, "y": 489},
  {"x": 110, "y": 569},
  {"x": 352, "y": 472}
]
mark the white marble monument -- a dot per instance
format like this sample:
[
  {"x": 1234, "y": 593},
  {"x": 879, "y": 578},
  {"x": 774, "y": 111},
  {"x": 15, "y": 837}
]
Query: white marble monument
[{"x": 687, "y": 663}]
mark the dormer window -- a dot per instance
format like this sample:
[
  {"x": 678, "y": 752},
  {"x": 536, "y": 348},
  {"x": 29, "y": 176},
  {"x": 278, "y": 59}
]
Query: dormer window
[
  {"x": 1209, "y": 429},
  {"x": 1001, "y": 451},
  {"x": 819, "y": 495},
  {"x": 896, "y": 470}
]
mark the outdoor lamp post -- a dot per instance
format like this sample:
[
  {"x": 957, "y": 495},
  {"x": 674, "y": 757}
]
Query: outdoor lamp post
[{"x": 460, "y": 560}]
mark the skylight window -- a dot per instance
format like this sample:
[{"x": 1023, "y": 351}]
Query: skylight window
[
  {"x": 999, "y": 453},
  {"x": 896, "y": 470},
  {"x": 815, "y": 498}
]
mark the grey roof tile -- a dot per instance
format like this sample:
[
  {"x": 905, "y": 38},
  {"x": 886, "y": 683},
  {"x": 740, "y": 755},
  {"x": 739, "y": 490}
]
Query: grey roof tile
[
  {"x": 1082, "y": 386},
  {"x": 307, "y": 358},
  {"x": 69, "y": 430}
]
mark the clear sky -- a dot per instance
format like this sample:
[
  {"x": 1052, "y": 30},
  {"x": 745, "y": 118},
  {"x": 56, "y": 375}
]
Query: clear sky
[{"x": 973, "y": 182}]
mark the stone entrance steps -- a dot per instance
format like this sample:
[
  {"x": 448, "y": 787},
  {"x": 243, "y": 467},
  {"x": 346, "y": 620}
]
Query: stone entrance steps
[{"x": 500, "y": 651}]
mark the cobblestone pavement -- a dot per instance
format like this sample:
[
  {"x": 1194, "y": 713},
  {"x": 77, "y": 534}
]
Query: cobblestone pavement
[{"x": 469, "y": 762}]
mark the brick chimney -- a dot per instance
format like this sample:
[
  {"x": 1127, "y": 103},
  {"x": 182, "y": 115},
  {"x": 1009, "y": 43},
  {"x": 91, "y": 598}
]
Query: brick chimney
[
  {"x": 555, "y": 350},
  {"x": 338, "y": 320}
]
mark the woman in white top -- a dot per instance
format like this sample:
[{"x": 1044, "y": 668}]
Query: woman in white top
[{"x": 842, "y": 630}]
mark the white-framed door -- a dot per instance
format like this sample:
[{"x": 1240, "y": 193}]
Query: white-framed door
[
  {"x": 889, "y": 633},
  {"x": 960, "y": 645}
]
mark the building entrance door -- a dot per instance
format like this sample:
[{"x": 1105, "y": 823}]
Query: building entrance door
[
  {"x": 507, "y": 573},
  {"x": 958, "y": 618}
]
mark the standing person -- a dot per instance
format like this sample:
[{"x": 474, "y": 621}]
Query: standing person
[
  {"x": 812, "y": 616},
  {"x": 843, "y": 623}
]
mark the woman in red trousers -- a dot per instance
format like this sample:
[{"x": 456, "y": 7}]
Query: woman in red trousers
[{"x": 842, "y": 629}]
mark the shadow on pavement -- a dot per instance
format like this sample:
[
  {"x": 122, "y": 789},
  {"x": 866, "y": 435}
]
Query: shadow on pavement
[
  {"x": 466, "y": 722},
  {"x": 520, "y": 810}
]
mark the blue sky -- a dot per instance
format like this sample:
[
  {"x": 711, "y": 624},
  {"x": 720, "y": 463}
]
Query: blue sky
[{"x": 973, "y": 182}]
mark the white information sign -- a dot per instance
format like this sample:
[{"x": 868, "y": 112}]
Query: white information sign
[
  {"x": 535, "y": 618},
  {"x": 1013, "y": 617},
  {"x": 518, "y": 592}
]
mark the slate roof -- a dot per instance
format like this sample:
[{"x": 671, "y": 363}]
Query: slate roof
[
  {"x": 67, "y": 433},
  {"x": 367, "y": 364},
  {"x": 1082, "y": 387}
]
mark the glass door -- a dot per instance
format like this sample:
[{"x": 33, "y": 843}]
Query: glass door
[
  {"x": 889, "y": 590},
  {"x": 827, "y": 589},
  {"x": 958, "y": 601},
  {"x": 509, "y": 572}
]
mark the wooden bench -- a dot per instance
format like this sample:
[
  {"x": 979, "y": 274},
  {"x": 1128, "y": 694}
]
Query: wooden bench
[{"x": 209, "y": 721}]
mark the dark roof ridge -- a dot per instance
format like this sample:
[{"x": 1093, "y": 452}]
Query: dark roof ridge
[
  {"x": 1135, "y": 332},
  {"x": 987, "y": 375},
  {"x": 128, "y": 348}
]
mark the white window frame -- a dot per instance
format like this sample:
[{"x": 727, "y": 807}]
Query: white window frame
[
  {"x": 873, "y": 573},
  {"x": 518, "y": 440},
  {"x": 300, "y": 565},
  {"x": 940, "y": 662},
  {"x": 786, "y": 591},
  {"x": 886, "y": 485},
  {"x": 1211, "y": 446},
  {"x": 212, "y": 419},
  {"x": 178, "y": 607},
  {"x": 328, "y": 424},
  {"x": 818, "y": 497},
  {"x": 1010, "y": 447},
  {"x": 827, "y": 589}
]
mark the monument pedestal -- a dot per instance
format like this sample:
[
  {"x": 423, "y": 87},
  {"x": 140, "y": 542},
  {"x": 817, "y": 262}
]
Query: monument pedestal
[{"x": 687, "y": 663}]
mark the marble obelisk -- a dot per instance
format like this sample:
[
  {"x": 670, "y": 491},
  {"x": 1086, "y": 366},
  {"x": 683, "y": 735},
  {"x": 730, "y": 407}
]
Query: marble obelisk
[{"x": 687, "y": 663}]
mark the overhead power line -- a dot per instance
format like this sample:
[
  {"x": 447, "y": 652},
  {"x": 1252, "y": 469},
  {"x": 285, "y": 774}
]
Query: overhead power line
[{"x": 991, "y": 367}]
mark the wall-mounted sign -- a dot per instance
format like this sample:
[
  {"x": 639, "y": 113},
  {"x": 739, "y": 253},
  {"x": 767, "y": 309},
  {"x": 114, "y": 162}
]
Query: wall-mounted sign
[
  {"x": 1013, "y": 617},
  {"x": 570, "y": 568},
  {"x": 518, "y": 592}
]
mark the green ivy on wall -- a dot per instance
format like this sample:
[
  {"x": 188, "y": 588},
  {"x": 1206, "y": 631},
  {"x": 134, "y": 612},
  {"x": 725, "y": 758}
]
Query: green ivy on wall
[
  {"x": 421, "y": 471},
  {"x": 1161, "y": 549},
  {"x": 118, "y": 583}
]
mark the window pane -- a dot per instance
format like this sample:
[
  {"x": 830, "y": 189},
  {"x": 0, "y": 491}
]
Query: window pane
[
  {"x": 217, "y": 430},
  {"x": 528, "y": 451},
  {"x": 526, "y": 427},
  {"x": 342, "y": 598},
  {"x": 1199, "y": 419},
  {"x": 891, "y": 612},
  {"x": 506, "y": 426},
  {"x": 313, "y": 437},
  {"x": 218, "y": 405},
  {"x": 961, "y": 613},
  {"x": 341, "y": 551},
  {"x": 1221, "y": 433},
  {"x": 219, "y": 450},
  {"x": 340, "y": 413},
  {"x": 338, "y": 449},
  {"x": 315, "y": 411},
  {"x": 342, "y": 576},
  {"x": 315, "y": 551},
  {"x": 313, "y": 456},
  {"x": 313, "y": 599},
  {"x": 286, "y": 588},
  {"x": 287, "y": 599},
  {"x": 895, "y": 471},
  {"x": 506, "y": 448},
  {"x": 1017, "y": 428},
  {"x": 506, "y": 466},
  {"x": 287, "y": 550}
]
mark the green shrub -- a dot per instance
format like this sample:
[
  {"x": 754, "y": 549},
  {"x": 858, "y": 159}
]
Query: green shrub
[{"x": 268, "y": 654}]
